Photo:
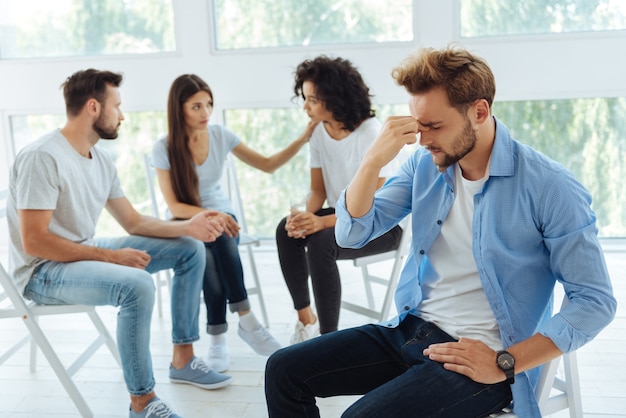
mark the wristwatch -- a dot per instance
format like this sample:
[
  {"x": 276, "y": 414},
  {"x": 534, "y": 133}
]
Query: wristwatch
[{"x": 506, "y": 363}]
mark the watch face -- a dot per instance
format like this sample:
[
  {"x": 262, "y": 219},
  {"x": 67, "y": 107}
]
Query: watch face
[{"x": 506, "y": 361}]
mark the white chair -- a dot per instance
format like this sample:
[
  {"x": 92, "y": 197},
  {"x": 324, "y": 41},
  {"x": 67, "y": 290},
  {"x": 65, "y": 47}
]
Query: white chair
[
  {"x": 397, "y": 256},
  {"x": 558, "y": 388},
  {"x": 13, "y": 305},
  {"x": 162, "y": 278},
  {"x": 230, "y": 184}
]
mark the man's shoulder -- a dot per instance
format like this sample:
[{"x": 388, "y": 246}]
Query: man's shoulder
[{"x": 45, "y": 145}]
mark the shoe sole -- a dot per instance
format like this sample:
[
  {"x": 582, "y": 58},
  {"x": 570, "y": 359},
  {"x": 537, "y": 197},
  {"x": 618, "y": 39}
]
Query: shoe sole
[{"x": 209, "y": 386}]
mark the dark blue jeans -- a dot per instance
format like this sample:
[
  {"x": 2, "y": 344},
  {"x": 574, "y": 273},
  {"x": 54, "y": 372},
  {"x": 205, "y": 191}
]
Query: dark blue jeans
[
  {"x": 223, "y": 282},
  {"x": 384, "y": 364}
]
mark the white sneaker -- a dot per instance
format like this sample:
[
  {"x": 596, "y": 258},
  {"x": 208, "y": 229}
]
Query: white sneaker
[
  {"x": 260, "y": 340},
  {"x": 218, "y": 360},
  {"x": 305, "y": 332}
]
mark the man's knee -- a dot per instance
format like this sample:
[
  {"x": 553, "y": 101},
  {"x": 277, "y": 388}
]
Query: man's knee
[
  {"x": 190, "y": 250},
  {"x": 138, "y": 286},
  {"x": 279, "y": 364}
]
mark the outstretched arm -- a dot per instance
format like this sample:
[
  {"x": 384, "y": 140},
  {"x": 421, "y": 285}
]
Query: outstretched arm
[
  {"x": 204, "y": 226},
  {"x": 271, "y": 163}
]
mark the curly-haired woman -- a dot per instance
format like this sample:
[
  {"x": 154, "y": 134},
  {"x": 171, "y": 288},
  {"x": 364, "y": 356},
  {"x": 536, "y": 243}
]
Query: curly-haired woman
[{"x": 334, "y": 94}]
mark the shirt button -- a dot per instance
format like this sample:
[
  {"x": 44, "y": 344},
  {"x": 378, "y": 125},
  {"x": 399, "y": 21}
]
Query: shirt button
[
  {"x": 439, "y": 222},
  {"x": 422, "y": 252},
  {"x": 390, "y": 324},
  {"x": 406, "y": 308}
]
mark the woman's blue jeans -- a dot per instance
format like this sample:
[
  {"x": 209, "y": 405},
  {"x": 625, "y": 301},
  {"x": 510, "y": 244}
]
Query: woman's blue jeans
[
  {"x": 99, "y": 283},
  {"x": 386, "y": 365}
]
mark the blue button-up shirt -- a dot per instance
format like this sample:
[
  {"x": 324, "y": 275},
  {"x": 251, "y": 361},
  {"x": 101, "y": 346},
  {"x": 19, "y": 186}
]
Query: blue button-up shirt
[{"x": 532, "y": 226}]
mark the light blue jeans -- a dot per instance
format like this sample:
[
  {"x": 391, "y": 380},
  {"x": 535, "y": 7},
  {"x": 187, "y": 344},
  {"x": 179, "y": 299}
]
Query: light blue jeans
[{"x": 99, "y": 283}]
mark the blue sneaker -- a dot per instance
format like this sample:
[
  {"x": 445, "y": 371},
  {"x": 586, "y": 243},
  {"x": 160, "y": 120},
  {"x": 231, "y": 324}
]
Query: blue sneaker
[
  {"x": 198, "y": 373},
  {"x": 156, "y": 408}
]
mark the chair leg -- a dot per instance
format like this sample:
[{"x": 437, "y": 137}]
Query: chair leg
[
  {"x": 33, "y": 353},
  {"x": 257, "y": 283},
  {"x": 57, "y": 366},
  {"x": 158, "y": 280},
  {"x": 391, "y": 289},
  {"x": 368, "y": 287},
  {"x": 573, "y": 385}
]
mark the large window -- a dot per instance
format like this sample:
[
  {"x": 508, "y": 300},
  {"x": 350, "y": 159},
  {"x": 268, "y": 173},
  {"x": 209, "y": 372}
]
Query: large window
[
  {"x": 588, "y": 136},
  {"x": 62, "y": 28},
  {"x": 254, "y": 24},
  {"x": 501, "y": 17}
]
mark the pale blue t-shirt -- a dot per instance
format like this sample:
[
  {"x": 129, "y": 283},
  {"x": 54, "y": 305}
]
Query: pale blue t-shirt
[{"x": 221, "y": 142}]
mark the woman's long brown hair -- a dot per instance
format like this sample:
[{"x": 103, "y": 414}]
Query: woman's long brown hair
[{"x": 182, "y": 168}]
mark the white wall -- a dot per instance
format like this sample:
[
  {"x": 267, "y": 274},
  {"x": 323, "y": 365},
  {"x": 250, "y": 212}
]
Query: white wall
[{"x": 538, "y": 67}]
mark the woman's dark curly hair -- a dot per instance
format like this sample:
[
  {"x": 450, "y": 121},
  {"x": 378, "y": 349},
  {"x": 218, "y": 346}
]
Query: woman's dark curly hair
[{"x": 339, "y": 85}]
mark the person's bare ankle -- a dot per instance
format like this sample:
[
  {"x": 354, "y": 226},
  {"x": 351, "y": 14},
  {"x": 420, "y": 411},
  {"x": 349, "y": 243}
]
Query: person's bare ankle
[
  {"x": 307, "y": 317},
  {"x": 138, "y": 403}
]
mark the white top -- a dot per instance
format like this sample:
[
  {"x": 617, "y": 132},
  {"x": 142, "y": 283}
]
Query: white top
[
  {"x": 454, "y": 298},
  {"x": 340, "y": 159},
  {"x": 50, "y": 174}
]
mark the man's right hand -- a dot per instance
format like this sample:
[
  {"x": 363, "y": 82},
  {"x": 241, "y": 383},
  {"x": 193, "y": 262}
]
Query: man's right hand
[
  {"x": 397, "y": 132},
  {"x": 131, "y": 257}
]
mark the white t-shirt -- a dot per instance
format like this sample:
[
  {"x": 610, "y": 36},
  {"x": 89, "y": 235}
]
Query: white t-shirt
[
  {"x": 50, "y": 174},
  {"x": 454, "y": 298},
  {"x": 221, "y": 142},
  {"x": 340, "y": 159}
]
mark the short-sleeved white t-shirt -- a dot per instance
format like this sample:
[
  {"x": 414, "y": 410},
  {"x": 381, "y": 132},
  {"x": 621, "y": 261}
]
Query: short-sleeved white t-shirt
[
  {"x": 340, "y": 159},
  {"x": 50, "y": 174}
]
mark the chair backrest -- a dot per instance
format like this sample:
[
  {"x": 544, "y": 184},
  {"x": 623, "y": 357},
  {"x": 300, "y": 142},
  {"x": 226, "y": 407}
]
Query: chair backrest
[
  {"x": 399, "y": 253},
  {"x": 230, "y": 184},
  {"x": 150, "y": 179},
  {"x": 4, "y": 195},
  {"x": 12, "y": 304},
  {"x": 558, "y": 387},
  {"x": 4, "y": 292},
  {"x": 557, "y": 392},
  {"x": 388, "y": 280}
]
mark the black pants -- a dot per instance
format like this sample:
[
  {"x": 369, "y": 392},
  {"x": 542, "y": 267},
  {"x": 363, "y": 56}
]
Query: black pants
[{"x": 316, "y": 255}]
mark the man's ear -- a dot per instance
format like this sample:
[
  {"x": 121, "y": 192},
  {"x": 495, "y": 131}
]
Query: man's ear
[
  {"x": 481, "y": 111},
  {"x": 92, "y": 106}
]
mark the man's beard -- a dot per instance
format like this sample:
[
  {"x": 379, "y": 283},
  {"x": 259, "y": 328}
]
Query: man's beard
[
  {"x": 461, "y": 146},
  {"x": 103, "y": 131}
]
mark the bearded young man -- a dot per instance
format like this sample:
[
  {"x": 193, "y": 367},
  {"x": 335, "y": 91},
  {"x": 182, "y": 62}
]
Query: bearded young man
[
  {"x": 495, "y": 225},
  {"x": 59, "y": 185}
]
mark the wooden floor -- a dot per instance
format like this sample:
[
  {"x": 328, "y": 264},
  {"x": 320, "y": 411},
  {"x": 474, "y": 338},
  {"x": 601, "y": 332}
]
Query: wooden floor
[{"x": 602, "y": 362}]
